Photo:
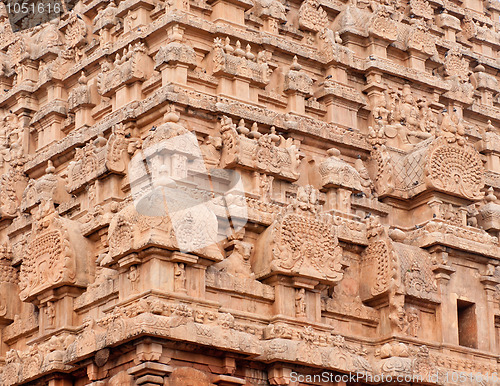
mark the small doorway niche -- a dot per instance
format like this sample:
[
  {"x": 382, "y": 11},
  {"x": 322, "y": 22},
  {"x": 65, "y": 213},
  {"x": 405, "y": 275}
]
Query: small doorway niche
[{"x": 467, "y": 324}]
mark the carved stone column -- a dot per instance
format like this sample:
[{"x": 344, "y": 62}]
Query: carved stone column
[
  {"x": 27, "y": 70},
  {"x": 228, "y": 380},
  {"x": 374, "y": 90},
  {"x": 151, "y": 368},
  {"x": 490, "y": 284},
  {"x": 342, "y": 102},
  {"x": 58, "y": 380},
  {"x": 230, "y": 11},
  {"x": 446, "y": 311},
  {"x": 280, "y": 374},
  {"x": 150, "y": 373},
  {"x": 450, "y": 24}
]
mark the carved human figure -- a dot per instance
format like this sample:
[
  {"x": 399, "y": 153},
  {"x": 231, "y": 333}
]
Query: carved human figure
[
  {"x": 263, "y": 186},
  {"x": 51, "y": 313},
  {"x": 180, "y": 277},
  {"x": 307, "y": 198},
  {"x": 413, "y": 320},
  {"x": 398, "y": 319},
  {"x": 92, "y": 195},
  {"x": 409, "y": 110},
  {"x": 300, "y": 302},
  {"x": 451, "y": 127},
  {"x": 3, "y": 306},
  {"x": 377, "y": 135},
  {"x": 133, "y": 276}
]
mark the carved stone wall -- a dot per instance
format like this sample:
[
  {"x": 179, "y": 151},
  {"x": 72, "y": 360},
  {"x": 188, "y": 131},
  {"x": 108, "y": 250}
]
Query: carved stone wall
[{"x": 232, "y": 192}]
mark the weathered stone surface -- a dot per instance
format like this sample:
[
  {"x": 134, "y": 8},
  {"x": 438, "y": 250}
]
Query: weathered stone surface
[{"x": 231, "y": 192}]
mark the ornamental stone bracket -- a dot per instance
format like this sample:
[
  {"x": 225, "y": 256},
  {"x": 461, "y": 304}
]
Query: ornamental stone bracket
[
  {"x": 446, "y": 164},
  {"x": 280, "y": 374},
  {"x": 455, "y": 167},
  {"x": 381, "y": 267},
  {"x": 441, "y": 267},
  {"x": 301, "y": 243},
  {"x": 57, "y": 255}
]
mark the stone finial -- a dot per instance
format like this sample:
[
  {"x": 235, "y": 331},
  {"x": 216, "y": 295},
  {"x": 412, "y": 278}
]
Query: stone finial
[
  {"x": 248, "y": 53},
  {"x": 50, "y": 168},
  {"x": 227, "y": 47},
  {"x": 338, "y": 39},
  {"x": 239, "y": 51},
  {"x": 171, "y": 115},
  {"x": 254, "y": 133},
  {"x": 491, "y": 195},
  {"x": 82, "y": 79},
  {"x": 274, "y": 137},
  {"x": 397, "y": 234},
  {"x": 295, "y": 64},
  {"x": 489, "y": 127},
  {"x": 242, "y": 129}
]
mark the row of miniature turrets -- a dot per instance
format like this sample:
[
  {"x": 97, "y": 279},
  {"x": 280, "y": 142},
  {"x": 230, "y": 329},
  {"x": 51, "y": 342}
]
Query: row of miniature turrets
[{"x": 238, "y": 51}]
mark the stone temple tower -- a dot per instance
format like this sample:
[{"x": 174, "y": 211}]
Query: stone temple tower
[{"x": 250, "y": 192}]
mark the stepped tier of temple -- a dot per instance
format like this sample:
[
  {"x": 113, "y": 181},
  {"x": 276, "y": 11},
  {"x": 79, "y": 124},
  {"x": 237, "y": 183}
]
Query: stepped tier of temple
[{"x": 250, "y": 192}]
